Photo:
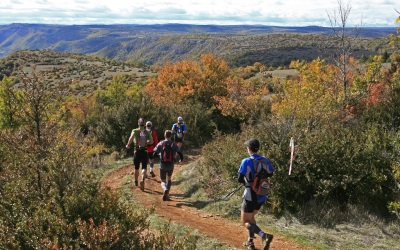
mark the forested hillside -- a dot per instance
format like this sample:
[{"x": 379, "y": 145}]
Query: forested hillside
[{"x": 157, "y": 44}]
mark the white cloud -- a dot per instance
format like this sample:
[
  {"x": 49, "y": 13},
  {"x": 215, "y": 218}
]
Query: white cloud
[{"x": 268, "y": 12}]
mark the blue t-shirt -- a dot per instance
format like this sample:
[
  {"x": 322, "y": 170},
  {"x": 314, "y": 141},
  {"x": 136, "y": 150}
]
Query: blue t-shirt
[
  {"x": 247, "y": 169},
  {"x": 179, "y": 129}
]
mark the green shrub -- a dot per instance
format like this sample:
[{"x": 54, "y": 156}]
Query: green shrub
[
  {"x": 77, "y": 215},
  {"x": 113, "y": 127},
  {"x": 337, "y": 165},
  {"x": 219, "y": 167}
]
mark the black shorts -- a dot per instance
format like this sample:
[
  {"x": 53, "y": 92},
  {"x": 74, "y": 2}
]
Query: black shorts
[
  {"x": 166, "y": 169},
  {"x": 250, "y": 206},
  {"x": 178, "y": 139},
  {"x": 140, "y": 156}
]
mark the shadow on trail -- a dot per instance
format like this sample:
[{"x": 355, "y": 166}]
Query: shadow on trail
[
  {"x": 153, "y": 179},
  {"x": 180, "y": 202}
]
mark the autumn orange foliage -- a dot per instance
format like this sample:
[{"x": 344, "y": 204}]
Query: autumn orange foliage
[
  {"x": 375, "y": 93},
  {"x": 189, "y": 81},
  {"x": 243, "y": 99}
]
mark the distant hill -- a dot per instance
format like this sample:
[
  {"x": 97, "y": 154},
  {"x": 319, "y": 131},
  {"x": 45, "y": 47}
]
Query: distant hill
[
  {"x": 155, "y": 44},
  {"x": 84, "y": 74}
]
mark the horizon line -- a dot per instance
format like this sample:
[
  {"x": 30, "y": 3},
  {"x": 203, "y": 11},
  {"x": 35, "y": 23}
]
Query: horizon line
[{"x": 191, "y": 24}]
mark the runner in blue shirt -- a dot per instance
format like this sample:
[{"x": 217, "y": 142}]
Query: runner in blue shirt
[
  {"x": 251, "y": 201},
  {"x": 179, "y": 130}
]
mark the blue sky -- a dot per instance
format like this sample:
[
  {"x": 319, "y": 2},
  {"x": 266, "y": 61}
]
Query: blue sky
[{"x": 266, "y": 12}]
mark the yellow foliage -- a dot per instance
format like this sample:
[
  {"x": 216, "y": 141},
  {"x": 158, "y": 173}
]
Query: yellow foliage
[
  {"x": 372, "y": 74},
  {"x": 314, "y": 94},
  {"x": 82, "y": 107},
  {"x": 96, "y": 149}
]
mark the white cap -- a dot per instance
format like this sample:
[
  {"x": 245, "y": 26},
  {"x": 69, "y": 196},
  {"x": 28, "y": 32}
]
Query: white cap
[
  {"x": 180, "y": 118},
  {"x": 148, "y": 123}
]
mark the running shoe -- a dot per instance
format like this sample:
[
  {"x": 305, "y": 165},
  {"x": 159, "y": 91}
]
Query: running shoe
[
  {"x": 142, "y": 185},
  {"x": 266, "y": 241},
  {"x": 165, "y": 195},
  {"x": 249, "y": 245}
]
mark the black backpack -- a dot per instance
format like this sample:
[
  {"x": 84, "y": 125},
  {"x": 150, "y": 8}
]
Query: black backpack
[{"x": 167, "y": 154}]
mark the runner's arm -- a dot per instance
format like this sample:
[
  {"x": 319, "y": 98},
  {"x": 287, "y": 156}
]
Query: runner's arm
[
  {"x": 128, "y": 145},
  {"x": 173, "y": 128},
  {"x": 243, "y": 171},
  {"x": 271, "y": 169},
  {"x": 184, "y": 129},
  {"x": 157, "y": 150},
  {"x": 241, "y": 178}
]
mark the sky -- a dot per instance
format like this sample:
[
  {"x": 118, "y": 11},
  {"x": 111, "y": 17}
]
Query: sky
[{"x": 363, "y": 13}]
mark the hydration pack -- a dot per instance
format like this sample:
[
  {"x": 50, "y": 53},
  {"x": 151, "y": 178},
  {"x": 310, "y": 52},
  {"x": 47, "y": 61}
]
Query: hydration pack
[
  {"x": 167, "y": 154},
  {"x": 262, "y": 171}
]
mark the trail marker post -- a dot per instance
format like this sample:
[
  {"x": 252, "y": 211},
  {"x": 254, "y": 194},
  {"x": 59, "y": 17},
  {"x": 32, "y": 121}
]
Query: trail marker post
[{"x": 291, "y": 145}]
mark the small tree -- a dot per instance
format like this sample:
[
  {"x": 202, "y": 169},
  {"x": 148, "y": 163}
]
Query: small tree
[
  {"x": 38, "y": 110},
  {"x": 343, "y": 39}
]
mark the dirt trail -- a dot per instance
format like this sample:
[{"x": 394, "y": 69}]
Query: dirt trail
[{"x": 181, "y": 211}]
